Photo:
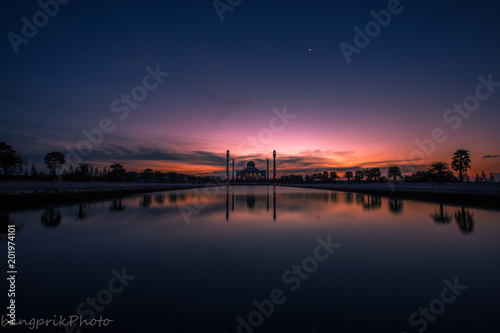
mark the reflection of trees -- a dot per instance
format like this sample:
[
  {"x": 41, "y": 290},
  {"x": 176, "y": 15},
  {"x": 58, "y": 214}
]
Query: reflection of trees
[
  {"x": 116, "y": 206},
  {"x": 51, "y": 218},
  {"x": 333, "y": 197},
  {"x": 369, "y": 202},
  {"x": 465, "y": 220},
  {"x": 442, "y": 216},
  {"x": 82, "y": 214},
  {"x": 146, "y": 201},
  {"x": 159, "y": 199},
  {"x": 396, "y": 206},
  {"x": 360, "y": 198},
  {"x": 172, "y": 198},
  {"x": 349, "y": 198}
]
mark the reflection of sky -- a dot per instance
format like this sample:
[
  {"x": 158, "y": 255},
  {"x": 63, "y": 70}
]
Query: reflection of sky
[
  {"x": 227, "y": 77},
  {"x": 208, "y": 272}
]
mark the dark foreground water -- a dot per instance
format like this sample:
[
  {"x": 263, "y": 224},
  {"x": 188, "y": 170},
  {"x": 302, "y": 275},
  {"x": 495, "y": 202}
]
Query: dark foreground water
[{"x": 258, "y": 259}]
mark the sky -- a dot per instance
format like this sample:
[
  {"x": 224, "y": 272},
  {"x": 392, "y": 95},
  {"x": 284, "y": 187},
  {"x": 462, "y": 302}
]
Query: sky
[{"x": 329, "y": 85}]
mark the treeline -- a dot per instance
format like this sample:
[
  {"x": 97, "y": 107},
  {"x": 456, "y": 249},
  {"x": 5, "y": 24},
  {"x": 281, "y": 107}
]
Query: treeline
[
  {"x": 437, "y": 172},
  {"x": 14, "y": 166}
]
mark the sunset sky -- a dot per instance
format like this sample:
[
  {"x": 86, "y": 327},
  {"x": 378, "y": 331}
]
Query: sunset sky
[{"x": 226, "y": 77}]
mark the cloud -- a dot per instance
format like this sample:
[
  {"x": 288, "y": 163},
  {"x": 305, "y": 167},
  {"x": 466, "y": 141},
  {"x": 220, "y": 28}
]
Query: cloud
[{"x": 491, "y": 156}]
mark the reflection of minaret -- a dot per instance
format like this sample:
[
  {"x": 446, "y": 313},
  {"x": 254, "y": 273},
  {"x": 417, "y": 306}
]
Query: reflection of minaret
[
  {"x": 233, "y": 168},
  {"x": 274, "y": 203},
  {"x": 268, "y": 195},
  {"x": 227, "y": 203},
  {"x": 274, "y": 158},
  {"x": 267, "y": 173},
  {"x": 227, "y": 165},
  {"x": 232, "y": 201}
]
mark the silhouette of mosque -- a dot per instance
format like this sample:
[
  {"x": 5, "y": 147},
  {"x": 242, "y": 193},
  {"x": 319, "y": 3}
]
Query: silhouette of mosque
[{"x": 251, "y": 172}]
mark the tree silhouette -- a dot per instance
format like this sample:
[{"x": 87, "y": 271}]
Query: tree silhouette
[
  {"x": 375, "y": 173},
  {"x": 492, "y": 178},
  {"x": 83, "y": 169},
  {"x": 394, "y": 172},
  {"x": 333, "y": 176},
  {"x": 465, "y": 220},
  {"x": 54, "y": 161},
  {"x": 117, "y": 172},
  {"x": 9, "y": 159},
  {"x": 359, "y": 175},
  {"x": 442, "y": 216},
  {"x": 368, "y": 175},
  {"x": 34, "y": 173},
  {"x": 439, "y": 168},
  {"x": 461, "y": 162},
  {"x": 147, "y": 174},
  {"x": 158, "y": 176},
  {"x": 348, "y": 175}
]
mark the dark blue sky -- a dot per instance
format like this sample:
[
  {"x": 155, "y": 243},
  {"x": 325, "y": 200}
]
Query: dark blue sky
[{"x": 226, "y": 77}]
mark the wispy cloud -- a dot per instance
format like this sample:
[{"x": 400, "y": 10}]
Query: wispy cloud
[{"x": 491, "y": 156}]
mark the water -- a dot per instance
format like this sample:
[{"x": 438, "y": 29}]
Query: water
[{"x": 195, "y": 261}]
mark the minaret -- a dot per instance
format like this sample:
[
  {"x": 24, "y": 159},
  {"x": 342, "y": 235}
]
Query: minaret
[
  {"x": 227, "y": 165},
  {"x": 267, "y": 173},
  {"x": 233, "y": 168},
  {"x": 274, "y": 158}
]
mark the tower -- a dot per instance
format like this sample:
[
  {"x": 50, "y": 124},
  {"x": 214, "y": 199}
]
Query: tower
[
  {"x": 267, "y": 173},
  {"x": 274, "y": 162},
  {"x": 233, "y": 168},
  {"x": 227, "y": 165}
]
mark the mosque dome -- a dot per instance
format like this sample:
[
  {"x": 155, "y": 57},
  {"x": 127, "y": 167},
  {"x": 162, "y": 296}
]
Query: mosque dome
[{"x": 251, "y": 164}]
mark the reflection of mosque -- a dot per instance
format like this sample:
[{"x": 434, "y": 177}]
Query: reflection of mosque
[{"x": 251, "y": 200}]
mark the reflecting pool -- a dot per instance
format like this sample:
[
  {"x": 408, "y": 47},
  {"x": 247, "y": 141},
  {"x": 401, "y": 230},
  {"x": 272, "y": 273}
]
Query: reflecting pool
[{"x": 258, "y": 259}]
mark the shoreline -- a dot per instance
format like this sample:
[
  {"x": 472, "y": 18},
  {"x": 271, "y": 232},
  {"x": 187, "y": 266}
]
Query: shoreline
[
  {"x": 27, "y": 196},
  {"x": 34, "y": 195},
  {"x": 473, "y": 195}
]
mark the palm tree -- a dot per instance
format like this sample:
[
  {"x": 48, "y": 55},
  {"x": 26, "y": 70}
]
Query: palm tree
[
  {"x": 54, "y": 161},
  {"x": 348, "y": 175},
  {"x": 368, "y": 174},
  {"x": 439, "y": 168},
  {"x": 375, "y": 173},
  {"x": 333, "y": 175},
  {"x": 394, "y": 172},
  {"x": 359, "y": 175},
  {"x": 117, "y": 171},
  {"x": 147, "y": 174},
  {"x": 461, "y": 162}
]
